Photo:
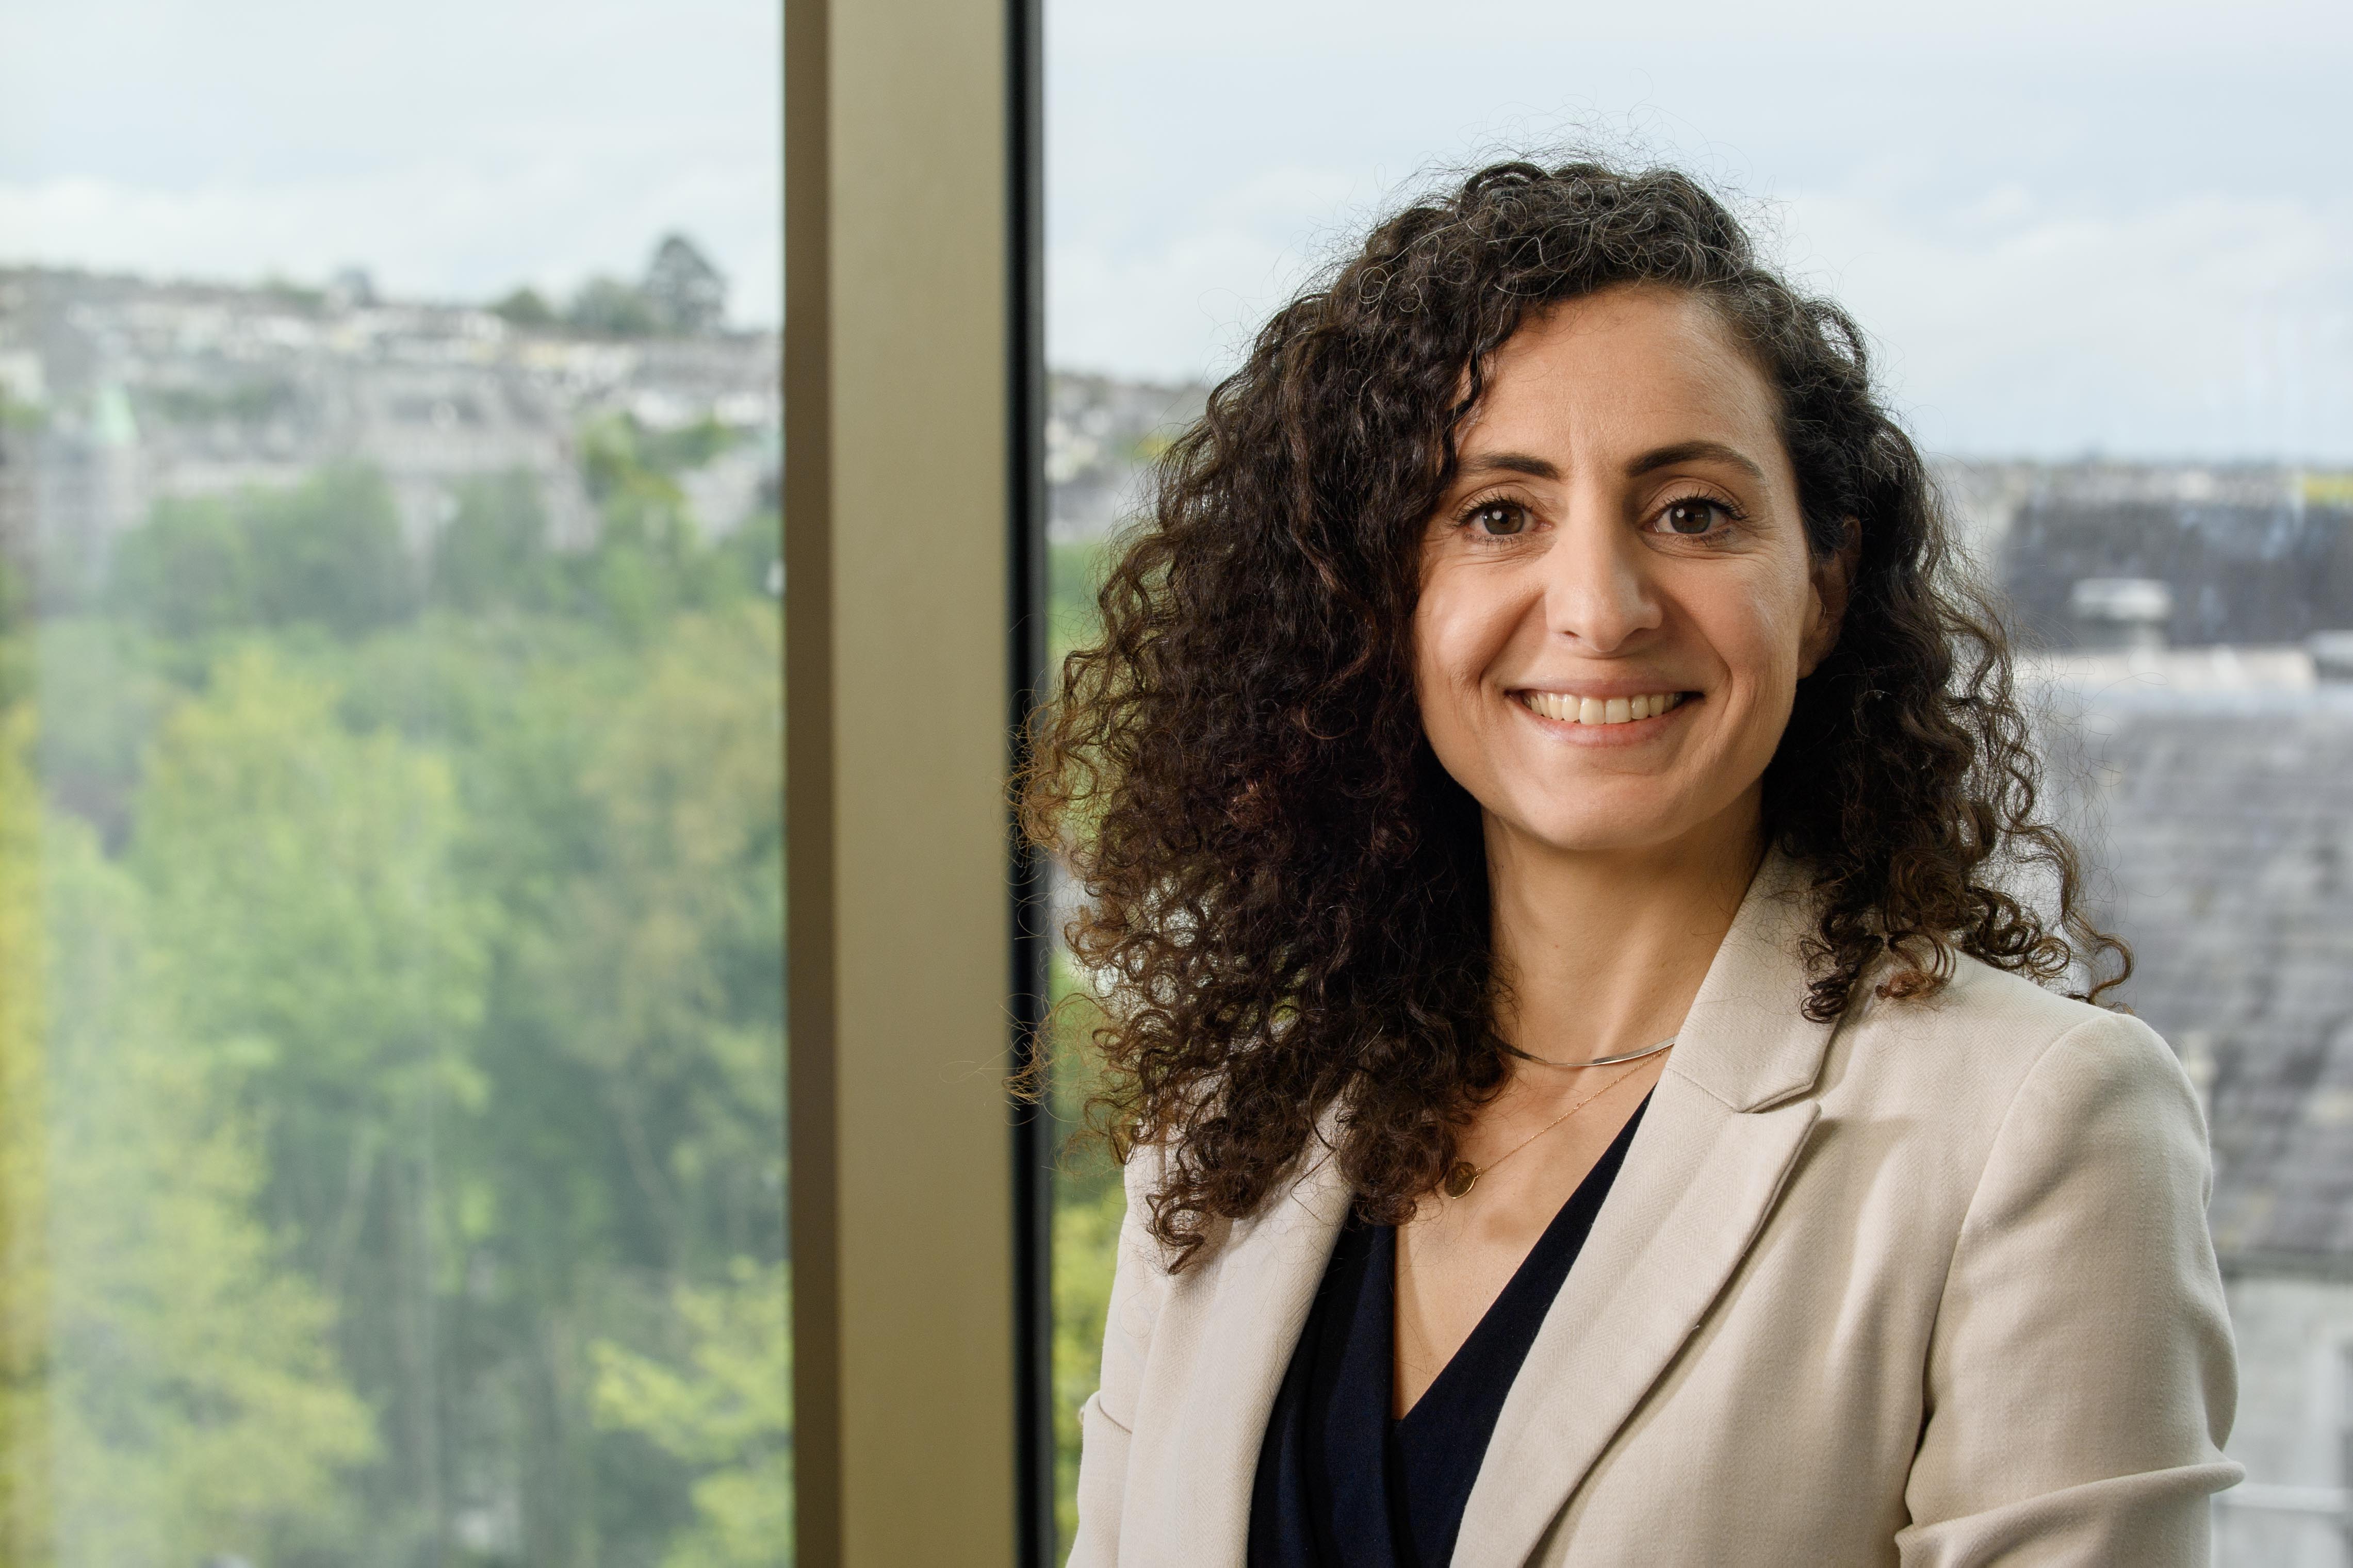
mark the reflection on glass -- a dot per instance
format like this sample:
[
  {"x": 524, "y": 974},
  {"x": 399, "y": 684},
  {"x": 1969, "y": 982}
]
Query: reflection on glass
[{"x": 391, "y": 1012}]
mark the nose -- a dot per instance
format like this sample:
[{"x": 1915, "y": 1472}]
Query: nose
[{"x": 1598, "y": 588}]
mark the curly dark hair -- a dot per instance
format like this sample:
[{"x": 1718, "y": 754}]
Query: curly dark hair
[{"x": 1287, "y": 900}]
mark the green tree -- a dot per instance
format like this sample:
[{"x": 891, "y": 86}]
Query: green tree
[
  {"x": 727, "y": 1413},
  {"x": 660, "y": 947},
  {"x": 611, "y": 307},
  {"x": 194, "y": 1404},
  {"x": 495, "y": 552},
  {"x": 190, "y": 569},
  {"x": 326, "y": 551},
  {"x": 525, "y": 307},
  {"x": 302, "y": 884},
  {"x": 446, "y": 948},
  {"x": 651, "y": 562},
  {"x": 620, "y": 819},
  {"x": 25, "y": 1470},
  {"x": 329, "y": 551},
  {"x": 317, "y": 944},
  {"x": 687, "y": 447},
  {"x": 1089, "y": 1204}
]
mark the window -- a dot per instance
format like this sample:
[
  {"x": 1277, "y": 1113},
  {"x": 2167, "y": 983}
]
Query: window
[
  {"x": 391, "y": 839},
  {"x": 2105, "y": 274}
]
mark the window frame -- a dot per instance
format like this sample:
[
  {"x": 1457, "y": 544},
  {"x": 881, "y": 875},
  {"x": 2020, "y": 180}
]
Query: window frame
[{"x": 915, "y": 641}]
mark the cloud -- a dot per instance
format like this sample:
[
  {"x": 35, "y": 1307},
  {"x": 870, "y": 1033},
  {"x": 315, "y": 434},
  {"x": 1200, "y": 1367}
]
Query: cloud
[
  {"x": 1176, "y": 301},
  {"x": 1336, "y": 27},
  {"x": 2130, "y": 237},
  {"x": 453, "y": 149},
  {"x": 2209, "y": 325}
]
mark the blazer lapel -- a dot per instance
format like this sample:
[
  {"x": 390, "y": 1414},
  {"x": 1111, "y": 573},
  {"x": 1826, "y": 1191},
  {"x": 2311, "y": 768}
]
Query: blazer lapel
[
  {"x": 1722, "y": 1133},
  {"x": 1266, "y": 1283}
]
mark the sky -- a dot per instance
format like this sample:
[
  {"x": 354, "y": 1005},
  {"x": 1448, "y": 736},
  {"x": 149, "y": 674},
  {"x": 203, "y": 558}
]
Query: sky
[
  {"x": 454, "y": 150},
  {"x": 2070, "y": 227}
]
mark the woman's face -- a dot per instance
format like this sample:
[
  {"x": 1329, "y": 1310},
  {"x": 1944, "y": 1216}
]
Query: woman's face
[{"x": 1617, "y": 597}]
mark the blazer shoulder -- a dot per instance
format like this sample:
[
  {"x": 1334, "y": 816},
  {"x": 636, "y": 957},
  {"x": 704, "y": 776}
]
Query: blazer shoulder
[
  {"x": 1964, "y": 1055},
  {"x": 1995, "y": 1013}
]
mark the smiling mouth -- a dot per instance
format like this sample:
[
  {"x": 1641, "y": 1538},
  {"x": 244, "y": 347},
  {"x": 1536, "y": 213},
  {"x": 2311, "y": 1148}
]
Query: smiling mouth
[{"x": 1567, "y": 710}]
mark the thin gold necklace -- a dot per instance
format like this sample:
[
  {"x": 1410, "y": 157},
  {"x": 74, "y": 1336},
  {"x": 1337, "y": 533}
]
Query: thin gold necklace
[{"x": 1462, "y": 1176}]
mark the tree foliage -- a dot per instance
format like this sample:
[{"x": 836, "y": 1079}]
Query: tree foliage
[
  {"x": 391, "y": 1034},
  {"x": 727, "y": 1413},
  {"x": 328, "y": 552},
  {"x": 193, "y": 1403}
]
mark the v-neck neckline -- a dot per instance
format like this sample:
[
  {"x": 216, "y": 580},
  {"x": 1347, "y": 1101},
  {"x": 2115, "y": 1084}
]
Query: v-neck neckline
[
  {"x": 1338, "y": 1479},
  {"x": 1526, "y": 1296}
]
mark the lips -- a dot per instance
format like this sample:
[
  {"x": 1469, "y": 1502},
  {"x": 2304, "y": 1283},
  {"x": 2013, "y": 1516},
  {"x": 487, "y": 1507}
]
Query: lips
[{"x": 1568, "y": 710}]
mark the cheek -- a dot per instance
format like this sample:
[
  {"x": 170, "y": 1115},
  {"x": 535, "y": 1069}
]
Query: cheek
[
  {"x": 1759, "y": 631},
  {"x": 1456, "y": 638},
  {"x": 1428, "y": 677},
  {"x": 1449, "y": 657}
]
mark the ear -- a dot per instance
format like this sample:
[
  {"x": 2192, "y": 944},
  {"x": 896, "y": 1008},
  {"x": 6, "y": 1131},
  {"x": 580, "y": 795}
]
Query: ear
[{"x": 1834, "y": 578}]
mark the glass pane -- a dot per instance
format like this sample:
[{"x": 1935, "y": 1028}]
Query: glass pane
[
  {"x": 2107, "y": 277},
  {"x": 1100, "y": 433},
  {"x": 391, "y": 1029}
]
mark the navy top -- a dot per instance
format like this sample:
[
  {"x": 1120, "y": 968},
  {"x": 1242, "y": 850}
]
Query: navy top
[{"x": 1342, "y": 1484}]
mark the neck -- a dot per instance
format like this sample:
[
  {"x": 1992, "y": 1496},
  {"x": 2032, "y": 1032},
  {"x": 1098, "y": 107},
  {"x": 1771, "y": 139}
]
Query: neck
[{"x": 1601, "y": 952}]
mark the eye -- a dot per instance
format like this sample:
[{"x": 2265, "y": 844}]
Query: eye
[
  {"x": 1691, "y": 516},
  {"x": 1498, "y": 518}
]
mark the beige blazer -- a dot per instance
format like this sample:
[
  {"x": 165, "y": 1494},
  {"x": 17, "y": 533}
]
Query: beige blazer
[{"x": 1932, "y": 1287}]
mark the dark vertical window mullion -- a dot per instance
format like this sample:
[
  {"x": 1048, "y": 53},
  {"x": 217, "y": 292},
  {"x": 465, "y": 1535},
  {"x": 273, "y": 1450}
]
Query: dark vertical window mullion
[
  {"x": 1032, "y": 947},
  {"x": 812, "y": 1084}
]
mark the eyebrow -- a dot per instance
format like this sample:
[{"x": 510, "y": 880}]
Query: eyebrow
[
  {"x": 1510, "y": 463},
  {"x": 1694, "y": 452},
  {"x": 1648, "y": 462}
]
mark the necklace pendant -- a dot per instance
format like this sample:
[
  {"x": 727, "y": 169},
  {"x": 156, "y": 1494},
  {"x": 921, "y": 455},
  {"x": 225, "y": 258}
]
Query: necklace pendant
[{"x": 1460, "y": 1178}]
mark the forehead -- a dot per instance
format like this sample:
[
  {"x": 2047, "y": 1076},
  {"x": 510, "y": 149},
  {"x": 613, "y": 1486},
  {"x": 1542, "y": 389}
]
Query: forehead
[{"x": 1635, "y": 366}]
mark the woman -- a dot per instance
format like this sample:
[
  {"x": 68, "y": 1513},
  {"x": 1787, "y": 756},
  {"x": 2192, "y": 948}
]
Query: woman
[{"x": 1583, "y": 964}]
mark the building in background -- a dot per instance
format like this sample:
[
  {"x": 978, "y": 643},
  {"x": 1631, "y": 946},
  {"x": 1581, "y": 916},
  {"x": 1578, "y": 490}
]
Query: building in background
[
  {"x": 2188, "y": 632},
  {"x": 392, "y": 993},
  {"x": 2197, "y": 703},
  {"x": 121, "y": 390},
  {"x": 2213, "y": 789},
  {"x": 2250, "y": 554},
  {"x": 1102, "y": 435}
]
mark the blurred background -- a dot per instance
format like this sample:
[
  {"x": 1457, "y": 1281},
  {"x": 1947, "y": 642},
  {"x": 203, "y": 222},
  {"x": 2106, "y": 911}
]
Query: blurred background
[
  {"x": 391, "y": 989},
  {"x": 2104, "y": 252},
  {"x": 391, "y": 1016}
]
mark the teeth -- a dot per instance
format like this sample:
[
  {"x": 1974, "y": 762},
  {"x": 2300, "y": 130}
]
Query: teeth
[{"x": 1597, "y": 711}]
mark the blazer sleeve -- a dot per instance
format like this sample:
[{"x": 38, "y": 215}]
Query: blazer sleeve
[
  {"x": 1107, "y": 1420},
  {"x": 2081, "y": 1378}
]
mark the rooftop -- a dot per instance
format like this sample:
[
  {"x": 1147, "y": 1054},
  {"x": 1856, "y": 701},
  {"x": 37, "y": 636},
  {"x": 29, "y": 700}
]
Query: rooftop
[{"x": 2214, "y": 789}]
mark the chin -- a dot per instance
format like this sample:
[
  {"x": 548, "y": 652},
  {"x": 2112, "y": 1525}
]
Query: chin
[{"x": 1594, "y": 833}]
